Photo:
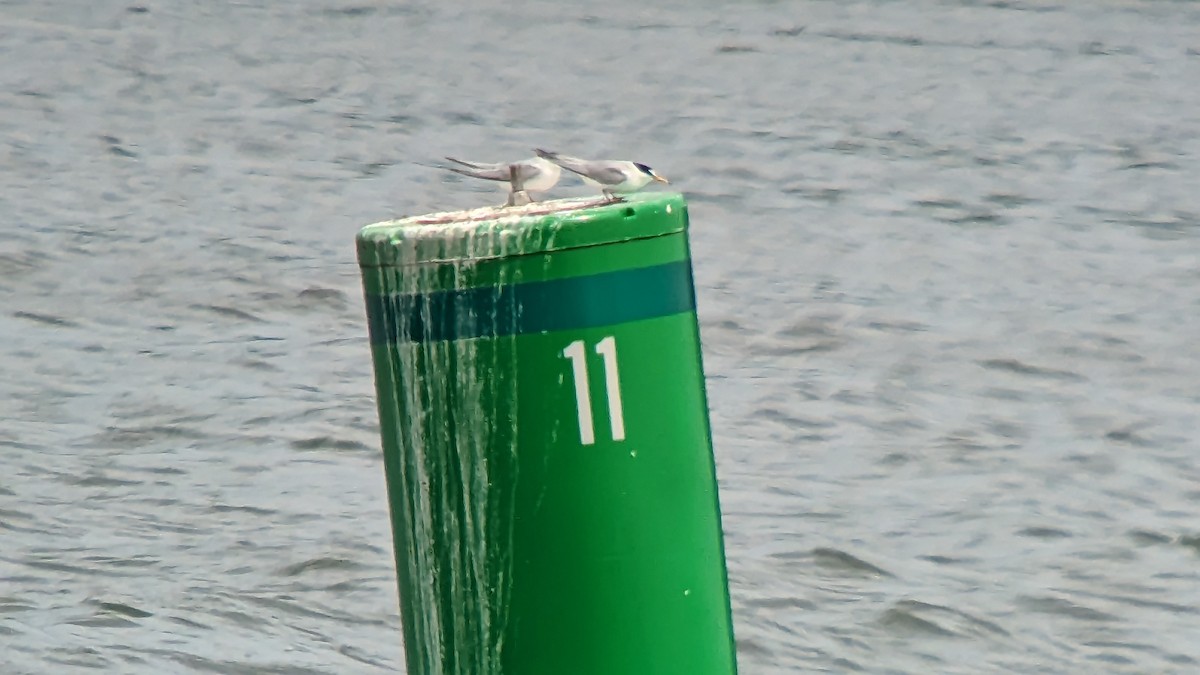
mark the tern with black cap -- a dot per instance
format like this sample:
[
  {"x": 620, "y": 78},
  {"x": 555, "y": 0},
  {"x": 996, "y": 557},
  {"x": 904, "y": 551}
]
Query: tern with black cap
[{"x": 614, "y": 177}]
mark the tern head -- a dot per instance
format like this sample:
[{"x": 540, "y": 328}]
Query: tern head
[{"x": 650, "y": 172}]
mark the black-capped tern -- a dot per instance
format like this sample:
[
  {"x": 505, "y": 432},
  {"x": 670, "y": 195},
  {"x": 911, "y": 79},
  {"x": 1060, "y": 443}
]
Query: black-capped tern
[{"x": 612, "y": 176}]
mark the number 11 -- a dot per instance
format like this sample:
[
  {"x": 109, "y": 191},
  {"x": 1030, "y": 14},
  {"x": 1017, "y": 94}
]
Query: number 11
[{"x": 607, "y": 349}]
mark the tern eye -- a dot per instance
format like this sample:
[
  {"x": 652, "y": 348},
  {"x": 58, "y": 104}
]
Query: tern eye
[{"x": 644, "y": 169}]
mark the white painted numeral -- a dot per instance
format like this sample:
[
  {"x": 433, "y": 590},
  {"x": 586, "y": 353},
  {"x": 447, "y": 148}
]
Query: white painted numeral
[
  {"x": 583, "y": 399},
  {"x": 607, "y": 349}
]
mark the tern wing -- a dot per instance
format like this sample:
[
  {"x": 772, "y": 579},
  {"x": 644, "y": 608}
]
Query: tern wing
[
  {"x": 477, "y": 165},
  {"x": 499, "y": 172},
  {"x": 605, "y": 173}
]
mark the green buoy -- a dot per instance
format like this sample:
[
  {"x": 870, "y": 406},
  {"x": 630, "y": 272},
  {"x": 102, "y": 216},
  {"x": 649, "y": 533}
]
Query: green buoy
[{"x": 546, "y": 440}]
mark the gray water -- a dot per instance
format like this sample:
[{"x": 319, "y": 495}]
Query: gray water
[{"x": 948, "y": 268}]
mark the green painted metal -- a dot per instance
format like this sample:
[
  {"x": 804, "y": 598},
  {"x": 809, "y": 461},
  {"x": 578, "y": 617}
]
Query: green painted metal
[{"x": 546, "y": 441}]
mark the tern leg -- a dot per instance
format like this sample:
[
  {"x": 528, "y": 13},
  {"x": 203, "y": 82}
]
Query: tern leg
[
  {"x": 515, "y": 179},
  {"x": 518, "y": 196}
]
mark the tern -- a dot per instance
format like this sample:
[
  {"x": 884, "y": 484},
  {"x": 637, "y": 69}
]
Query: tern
[
  {"x": 534, "y": 174},
  {"x": 613, "y": 176}
]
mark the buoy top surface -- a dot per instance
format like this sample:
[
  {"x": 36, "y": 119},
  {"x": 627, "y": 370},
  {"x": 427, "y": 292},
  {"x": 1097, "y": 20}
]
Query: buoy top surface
[{"x": 500, "y": 232}]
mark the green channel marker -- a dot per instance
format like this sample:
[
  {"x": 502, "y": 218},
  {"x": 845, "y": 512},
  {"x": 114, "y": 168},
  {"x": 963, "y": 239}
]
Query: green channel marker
[{"x": 546, "y": 440}]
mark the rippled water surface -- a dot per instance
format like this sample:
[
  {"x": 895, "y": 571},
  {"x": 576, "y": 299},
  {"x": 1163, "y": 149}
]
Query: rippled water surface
[{"x": 948, "y": 271}]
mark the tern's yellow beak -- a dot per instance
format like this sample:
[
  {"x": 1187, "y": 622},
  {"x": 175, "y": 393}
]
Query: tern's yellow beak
[{"x": 660, "y": 179}]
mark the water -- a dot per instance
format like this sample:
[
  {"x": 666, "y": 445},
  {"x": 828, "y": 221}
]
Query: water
[{"x": 947, "y": 260}]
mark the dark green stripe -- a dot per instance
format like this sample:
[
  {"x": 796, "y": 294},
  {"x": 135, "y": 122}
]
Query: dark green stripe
[{"x": 535, "y": 307}]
